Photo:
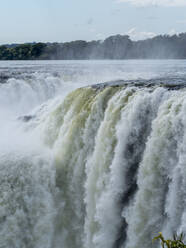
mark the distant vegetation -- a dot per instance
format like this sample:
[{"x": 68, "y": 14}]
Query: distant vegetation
[{"x": 114, "y": 47}]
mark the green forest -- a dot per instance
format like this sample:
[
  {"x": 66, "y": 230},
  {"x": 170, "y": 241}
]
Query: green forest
[{"x": 114, "y": 47}]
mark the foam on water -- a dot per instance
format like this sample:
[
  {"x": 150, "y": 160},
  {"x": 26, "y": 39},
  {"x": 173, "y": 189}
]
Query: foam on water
[{"x": 102, "y": 166}]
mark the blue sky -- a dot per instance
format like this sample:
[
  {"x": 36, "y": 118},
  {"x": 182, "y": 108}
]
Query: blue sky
[{"x": 66, "y": 20}]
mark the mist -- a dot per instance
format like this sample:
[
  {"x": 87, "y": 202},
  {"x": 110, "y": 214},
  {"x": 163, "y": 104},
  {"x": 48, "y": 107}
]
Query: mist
[{"x": 114, "y": 47}]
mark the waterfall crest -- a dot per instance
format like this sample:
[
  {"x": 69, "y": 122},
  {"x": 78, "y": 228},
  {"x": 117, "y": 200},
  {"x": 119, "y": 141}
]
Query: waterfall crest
[{"x": 109, "y": 171}]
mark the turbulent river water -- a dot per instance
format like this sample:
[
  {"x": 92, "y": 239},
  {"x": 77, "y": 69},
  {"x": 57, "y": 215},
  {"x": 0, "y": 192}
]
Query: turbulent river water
[{"x": 91, "y": 165}]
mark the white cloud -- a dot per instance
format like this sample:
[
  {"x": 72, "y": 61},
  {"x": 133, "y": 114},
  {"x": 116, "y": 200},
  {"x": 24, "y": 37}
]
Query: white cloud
[
  {"x": 136, "y": 35},
  {"x": 173, "y": 32},
  {"x": 165, "y": 3},
  {"x": 142, "y": 35},
  {"x": 100, "y": 36}
]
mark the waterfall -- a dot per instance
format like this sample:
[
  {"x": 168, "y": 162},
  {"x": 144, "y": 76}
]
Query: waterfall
[{"x": 104, "y": 167}]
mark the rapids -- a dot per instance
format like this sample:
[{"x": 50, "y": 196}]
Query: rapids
[{"x": 100, "y": 166}]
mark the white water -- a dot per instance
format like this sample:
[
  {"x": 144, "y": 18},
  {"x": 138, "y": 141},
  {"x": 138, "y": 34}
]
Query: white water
[{"x": 98, "y": 168}]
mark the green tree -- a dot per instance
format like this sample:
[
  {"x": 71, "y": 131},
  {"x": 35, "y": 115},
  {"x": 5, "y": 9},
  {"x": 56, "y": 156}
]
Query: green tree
[{"x": 176, "y": 242}]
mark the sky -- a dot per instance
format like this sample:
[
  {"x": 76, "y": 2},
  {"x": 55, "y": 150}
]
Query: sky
[{"x": 66, "y": 20}]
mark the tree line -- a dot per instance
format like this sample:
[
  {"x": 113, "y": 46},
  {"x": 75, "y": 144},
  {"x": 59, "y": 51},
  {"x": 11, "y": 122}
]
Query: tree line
[{"x": 113, "y": 47}]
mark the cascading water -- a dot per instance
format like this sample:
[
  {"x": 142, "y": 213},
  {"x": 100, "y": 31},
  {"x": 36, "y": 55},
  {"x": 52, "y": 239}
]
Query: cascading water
[{"x": 103, "y": 167}]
